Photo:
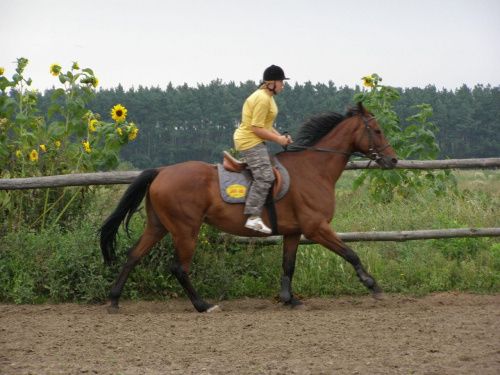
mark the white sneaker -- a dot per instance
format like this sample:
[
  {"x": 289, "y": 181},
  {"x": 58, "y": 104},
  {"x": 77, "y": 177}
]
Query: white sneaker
[{"x": 258, "y": 225}]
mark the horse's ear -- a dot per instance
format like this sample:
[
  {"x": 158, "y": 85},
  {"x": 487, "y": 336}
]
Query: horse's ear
[{"x": 362, "y": 110}]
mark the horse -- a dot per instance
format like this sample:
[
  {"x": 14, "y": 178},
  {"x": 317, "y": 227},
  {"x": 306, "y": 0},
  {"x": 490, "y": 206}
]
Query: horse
[{"x": 180, "y": 197}]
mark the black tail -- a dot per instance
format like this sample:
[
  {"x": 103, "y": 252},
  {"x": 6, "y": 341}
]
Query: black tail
[{"x": 126, "y": 208}]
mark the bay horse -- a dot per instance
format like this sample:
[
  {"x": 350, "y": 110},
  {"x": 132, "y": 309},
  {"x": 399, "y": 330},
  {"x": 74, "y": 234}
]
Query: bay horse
[{"x": 180, "y": 197}]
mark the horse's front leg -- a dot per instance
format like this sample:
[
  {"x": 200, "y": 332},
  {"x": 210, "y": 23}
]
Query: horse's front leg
[
  {"x": 290, "y": 245},
  {"x": 325, "y": 236}
]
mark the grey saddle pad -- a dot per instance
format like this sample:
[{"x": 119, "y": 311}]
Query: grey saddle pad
[{"x": 234, "y": 186}]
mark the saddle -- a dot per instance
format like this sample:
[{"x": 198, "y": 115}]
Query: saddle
[{"x": 232, "y": 164}]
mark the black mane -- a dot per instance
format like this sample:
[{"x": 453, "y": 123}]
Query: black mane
[{"x": 317, "y": 126}]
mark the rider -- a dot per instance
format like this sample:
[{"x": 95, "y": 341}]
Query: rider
[{"x": 256, "y": 128}]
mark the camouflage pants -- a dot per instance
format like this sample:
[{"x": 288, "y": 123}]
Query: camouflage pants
[{"x": 259, "y": 163}]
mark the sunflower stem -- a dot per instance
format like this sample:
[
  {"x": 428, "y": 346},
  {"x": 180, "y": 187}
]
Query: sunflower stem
[
  {"x": 44, "y": 209},
  {"x": 65, "y": 208}
]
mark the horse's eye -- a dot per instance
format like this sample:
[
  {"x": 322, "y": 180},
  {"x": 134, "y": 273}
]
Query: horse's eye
[{"x": 377, "y": 131}]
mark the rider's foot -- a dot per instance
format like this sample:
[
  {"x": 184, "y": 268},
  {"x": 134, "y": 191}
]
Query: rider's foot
[{"x": 257, "y": 224}]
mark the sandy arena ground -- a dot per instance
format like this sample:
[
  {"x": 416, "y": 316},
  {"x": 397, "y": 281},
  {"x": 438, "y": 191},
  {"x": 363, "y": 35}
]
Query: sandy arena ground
[{"x": 440, "y": 334}]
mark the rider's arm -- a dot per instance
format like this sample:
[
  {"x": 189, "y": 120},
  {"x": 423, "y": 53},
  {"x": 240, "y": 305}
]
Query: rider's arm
[{"x": 270, "y": 135}]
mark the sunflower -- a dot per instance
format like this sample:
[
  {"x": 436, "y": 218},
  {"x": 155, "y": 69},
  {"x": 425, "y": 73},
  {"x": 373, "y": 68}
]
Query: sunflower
[
  {"x": 2, "y": 71},
  {"x": 75, "y": 65},
  {"x": 55, "y": 69},
  {"x": 87, "y": 146},
  {"x": 58, "y": 144},
  {"x": 34, "y": 155},
  {"x": 21, "y": 64},
  {"x": 133, "y": 134},
  {"x": 95, "y": 82},
  {"x": 118, "y": 113},
  {"x": 44, "y": 148},
  {"x": 119, "y": 130},
  {"x": 93, "y": 124},
  {"x": 368, "y": 81}
]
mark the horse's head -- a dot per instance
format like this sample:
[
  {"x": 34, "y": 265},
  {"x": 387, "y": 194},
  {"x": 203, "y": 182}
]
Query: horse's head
[
  {"x": 370, "y": 139},
  {"x": 361, "y": 134}
]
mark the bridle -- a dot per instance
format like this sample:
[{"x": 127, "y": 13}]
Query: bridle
[{"x": 373, "y": 151}]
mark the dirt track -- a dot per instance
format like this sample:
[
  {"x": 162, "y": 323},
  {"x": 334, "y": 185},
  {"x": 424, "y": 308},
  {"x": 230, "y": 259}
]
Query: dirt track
[{"x": 438, "y": 334}]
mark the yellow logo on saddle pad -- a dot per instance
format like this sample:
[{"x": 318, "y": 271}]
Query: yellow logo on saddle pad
[{"x": 236, "y": 191}]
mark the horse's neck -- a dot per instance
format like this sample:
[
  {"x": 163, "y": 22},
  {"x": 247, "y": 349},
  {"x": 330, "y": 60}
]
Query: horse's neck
[{"x": 333, "y": 164}]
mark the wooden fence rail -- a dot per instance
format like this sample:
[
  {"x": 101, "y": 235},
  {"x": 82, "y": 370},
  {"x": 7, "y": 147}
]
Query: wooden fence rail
[
  {"x": 112, "y": 178},
  {"x": 395, "y": 236}
]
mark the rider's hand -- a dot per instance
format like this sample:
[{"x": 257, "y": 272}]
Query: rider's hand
[{"x": 283, "y": 140}]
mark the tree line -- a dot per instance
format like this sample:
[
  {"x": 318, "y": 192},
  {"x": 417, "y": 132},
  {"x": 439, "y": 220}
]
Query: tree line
[{"x": 184, "y": 123}]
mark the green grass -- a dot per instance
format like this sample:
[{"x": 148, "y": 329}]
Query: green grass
[{"x": 66, "y": 266}]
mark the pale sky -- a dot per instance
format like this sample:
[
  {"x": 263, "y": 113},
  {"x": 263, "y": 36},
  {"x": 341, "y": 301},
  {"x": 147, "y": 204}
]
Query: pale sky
[{"x": 409, "y": 43}]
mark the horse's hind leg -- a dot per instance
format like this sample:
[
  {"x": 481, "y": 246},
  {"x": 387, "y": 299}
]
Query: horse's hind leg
[
  {"x": 151, "y": 235},
  {"x": 184, "y": 251},
  {"x": 328, "y": 238}
]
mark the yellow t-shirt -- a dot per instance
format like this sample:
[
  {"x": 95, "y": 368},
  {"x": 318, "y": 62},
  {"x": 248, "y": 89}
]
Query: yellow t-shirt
[{"x": 260, "y": 110}]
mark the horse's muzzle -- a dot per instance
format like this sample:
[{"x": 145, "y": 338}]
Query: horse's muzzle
[{"x": 387, "y": 161}]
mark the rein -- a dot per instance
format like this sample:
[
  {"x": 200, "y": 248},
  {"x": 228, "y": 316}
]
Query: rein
[{"x": 374, "y": 151}]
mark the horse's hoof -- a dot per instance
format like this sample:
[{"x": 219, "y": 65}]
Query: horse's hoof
[
  {"x": 112, "y": 309},
  {"x": 380, "y": 296},
  {"x": 214, "y": 309},
  {"x": 296, "y": 304},
  {"x": 300, "y": 307},
  {"x": 285, "y": 297}
]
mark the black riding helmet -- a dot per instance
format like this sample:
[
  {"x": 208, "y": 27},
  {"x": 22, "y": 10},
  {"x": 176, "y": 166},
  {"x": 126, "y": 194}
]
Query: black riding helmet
[{"x": 274, "y": 73}]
